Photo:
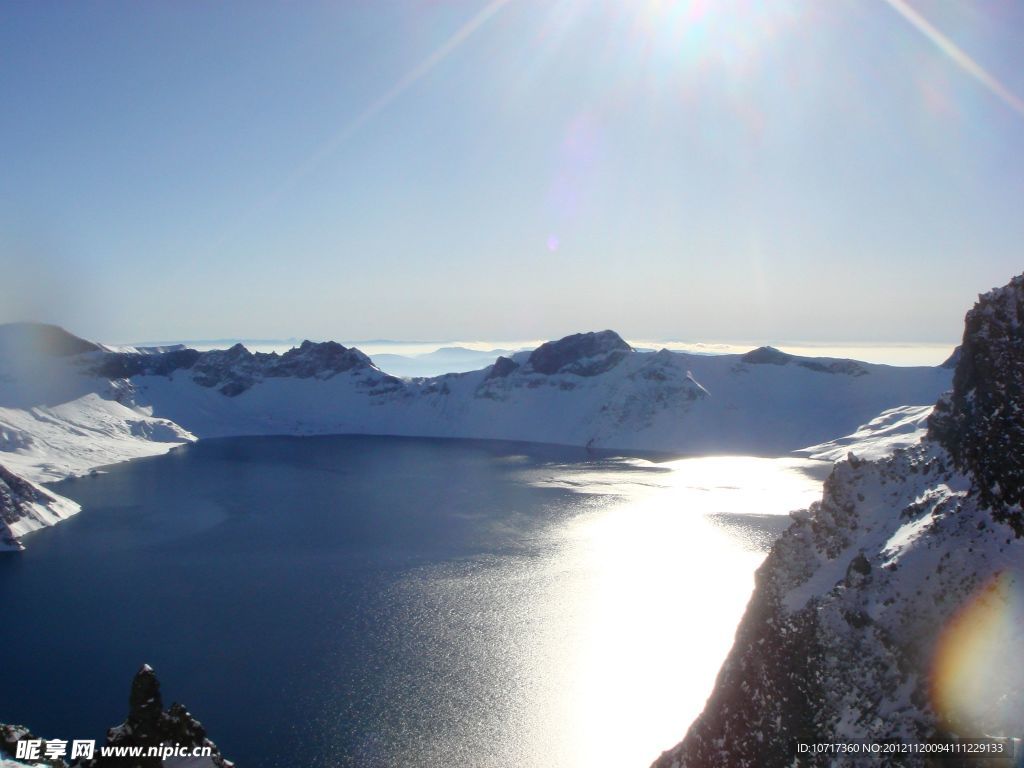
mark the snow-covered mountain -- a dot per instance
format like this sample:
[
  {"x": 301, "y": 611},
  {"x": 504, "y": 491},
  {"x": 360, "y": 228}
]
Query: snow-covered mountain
[
  {"x": 68, "y": 406},
  {"x": 587, "y": 389},
  {"x": 894, "y": 608}
]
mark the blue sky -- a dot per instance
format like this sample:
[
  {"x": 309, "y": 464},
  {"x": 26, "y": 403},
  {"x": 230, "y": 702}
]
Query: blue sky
[{"x": 770, "y": 171}]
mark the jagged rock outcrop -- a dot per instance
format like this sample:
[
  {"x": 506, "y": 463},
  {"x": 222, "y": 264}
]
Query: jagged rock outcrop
[
  {"x": 148, "y": 725},
  {"x": 891, "y": 610},
  {"x": 124, "y": 365}
]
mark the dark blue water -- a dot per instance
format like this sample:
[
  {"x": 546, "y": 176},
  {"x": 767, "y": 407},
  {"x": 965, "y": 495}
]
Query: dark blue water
[{"x": 314, "y": 601}]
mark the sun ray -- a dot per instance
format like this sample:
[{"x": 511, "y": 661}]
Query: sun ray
[
  {"x": 331, "y": 145},
  {"x": 958, "y": 56}
]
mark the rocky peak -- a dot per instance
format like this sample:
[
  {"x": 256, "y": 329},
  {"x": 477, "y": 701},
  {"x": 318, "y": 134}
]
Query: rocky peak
[
  {"x": 237, "y": 351},
  {"x": 232, "y": 371},
  {"x": 981, "y": 421},
  {"x": 323, "y": 359},
  {"x": 145, "y": 704},
  {"x": 149, "y": 725},
  {"x": 584, "y": 354},
  {"x": 766, "y": 356}
]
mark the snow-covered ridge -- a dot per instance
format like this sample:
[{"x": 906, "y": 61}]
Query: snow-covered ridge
[
  {"x": 68, "y": 406},
  {"x": 233, "y": 371},
  {"x": 893, "y": 609},
  {"x": 587, "y": 389},
  {"x": 891, "y": 430}
]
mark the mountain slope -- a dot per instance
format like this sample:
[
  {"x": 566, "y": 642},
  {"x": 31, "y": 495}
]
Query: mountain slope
[{"x": 911, "y": 566}]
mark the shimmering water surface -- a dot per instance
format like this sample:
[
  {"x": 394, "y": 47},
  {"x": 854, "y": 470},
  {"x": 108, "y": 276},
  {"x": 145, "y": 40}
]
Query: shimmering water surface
[{"x": 362, "y": 601}]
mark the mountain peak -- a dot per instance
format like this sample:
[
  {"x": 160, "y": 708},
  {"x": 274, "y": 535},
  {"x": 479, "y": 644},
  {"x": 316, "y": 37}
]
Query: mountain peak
[
  {"x": 766, "y": 355},
  {"x": 584, "y": 354},
  {"x": 42, "y": 338}
]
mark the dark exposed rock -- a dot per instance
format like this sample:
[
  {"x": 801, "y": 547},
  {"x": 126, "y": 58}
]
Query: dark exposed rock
[
  {"x": 766, "y": 356},
  {"x": 149, "y": 725},
  {"x": 502, "y": 367},
  {"x": 583, "y": 354},
  {"x": 846, "y": 367},
  {"x": 758, "y": 694},
  {"x": 16, "y": 496},
  {"x": 233, "y": 371},
  {"x": 124, "y": 365},
  {"x": 145, "y": 705},
  {"x": 773, "y": 356},
  {"x": 321, "y": 360},
  {"x": 981, "y": 422},
  {"x": 14, "y": 493}
]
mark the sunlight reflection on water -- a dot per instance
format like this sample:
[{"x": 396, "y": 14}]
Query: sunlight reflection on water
[{"x": 602, "y": 650}]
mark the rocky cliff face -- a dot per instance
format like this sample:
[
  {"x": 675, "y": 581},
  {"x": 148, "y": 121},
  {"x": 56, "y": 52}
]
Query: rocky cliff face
[
  {"x": 894, "y": 608},
  {"x": 148, "y": 725},
  {"x": 24, "y": 507},
  {"x": 981, "y": 422}
]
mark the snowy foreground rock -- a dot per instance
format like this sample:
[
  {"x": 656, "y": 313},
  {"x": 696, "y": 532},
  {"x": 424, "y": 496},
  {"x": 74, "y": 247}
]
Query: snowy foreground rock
[
  {"x": 894, "y": 608},
  {"x": 25, "y": 507},
  {"x": 68, "y": 406},
  {"x": 148, "y": 725}
]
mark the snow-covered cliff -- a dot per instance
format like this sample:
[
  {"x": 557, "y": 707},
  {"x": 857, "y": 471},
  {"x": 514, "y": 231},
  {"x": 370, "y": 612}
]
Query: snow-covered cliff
[
  {"x": 894, "y": 608},
  {"x": 25, "y": 507}
]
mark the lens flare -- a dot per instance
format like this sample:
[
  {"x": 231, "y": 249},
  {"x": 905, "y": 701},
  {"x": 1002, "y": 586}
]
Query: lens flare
[
  {"x": 976, "y": 675},
  {"x": 958, "y": 56}
]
